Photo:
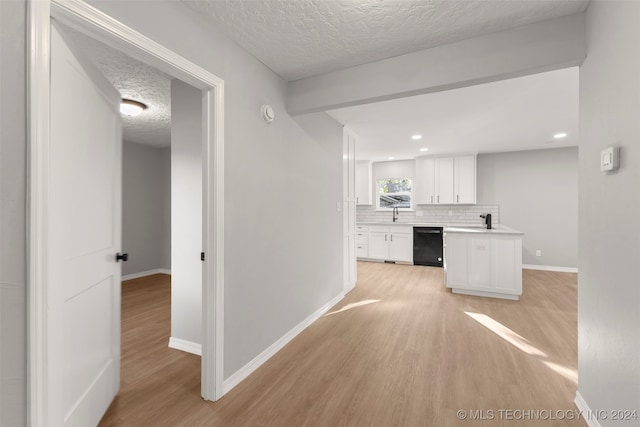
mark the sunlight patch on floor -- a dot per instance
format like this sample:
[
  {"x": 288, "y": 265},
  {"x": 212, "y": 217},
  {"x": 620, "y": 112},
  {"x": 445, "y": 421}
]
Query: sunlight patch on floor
[
  {"x": 506, "y": 334},
  {"x": 354, "y": 305},
  {"x": 568, "y": 373}
]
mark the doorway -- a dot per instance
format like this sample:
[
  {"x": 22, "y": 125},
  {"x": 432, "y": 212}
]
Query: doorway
[{"x": 95, "y": 24}]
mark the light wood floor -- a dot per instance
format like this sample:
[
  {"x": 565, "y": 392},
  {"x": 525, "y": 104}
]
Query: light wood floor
[{"x": 403, "y": 352}]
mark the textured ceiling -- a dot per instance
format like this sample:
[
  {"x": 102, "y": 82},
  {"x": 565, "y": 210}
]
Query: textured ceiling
[
  {"x": 508, "y": 115},
  {"x": 138, "y": 81},
  {"x": 302, "y": 38}
]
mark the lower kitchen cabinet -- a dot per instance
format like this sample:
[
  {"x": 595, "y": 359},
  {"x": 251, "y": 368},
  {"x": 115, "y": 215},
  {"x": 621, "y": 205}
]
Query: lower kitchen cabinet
[
  {"x": 484, "y": 264},
  {"x": 362, "y": 241},
  {"x": 390, "y": 243}
]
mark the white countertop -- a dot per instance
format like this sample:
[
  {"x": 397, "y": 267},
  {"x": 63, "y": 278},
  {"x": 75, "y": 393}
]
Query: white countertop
[
  {"x": 498, "y": 229},
  {"x": 450, "y": 228}
]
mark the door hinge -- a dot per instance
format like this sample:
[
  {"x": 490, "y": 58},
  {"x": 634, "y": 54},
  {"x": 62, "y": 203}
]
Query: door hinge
[{"x": 201, "y": 256}]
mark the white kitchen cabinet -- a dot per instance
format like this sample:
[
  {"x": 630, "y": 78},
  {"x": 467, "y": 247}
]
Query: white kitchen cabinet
[
  {"x": 465, "y": 179},
  {"x": 400, "y": 247},
  {"x": 364, "y": 187},
  {"x": 424, "y": 186},
  {"x": 484, "y": 264},
  {"x": 390, "y": 243},
  {"x": 362, "y": 242},
  {"x": 445, "y": 180},
  {"x": 378, "y": 245}
]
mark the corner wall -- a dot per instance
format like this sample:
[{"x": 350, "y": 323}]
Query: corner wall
[
  {"x": 609, "y": 230},
  {"x": 538, "y": 194}
]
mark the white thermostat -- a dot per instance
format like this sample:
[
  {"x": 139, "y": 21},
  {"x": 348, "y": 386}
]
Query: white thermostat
[{"x": 610, "y": 159}]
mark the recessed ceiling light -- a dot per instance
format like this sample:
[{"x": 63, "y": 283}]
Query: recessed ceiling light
[
  {"x": 129, "y": 107},
  {"x": 424, "y": 149},
  {"x": 416, "y": 137},
  {"x": 560, "y": 135},
  {"x": 391, "y": 158}
]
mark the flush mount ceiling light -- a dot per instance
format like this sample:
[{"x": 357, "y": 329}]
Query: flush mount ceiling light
[
  {"x": 129, "y": 107},
  {"x": 416, "y": 137},
  {"x": 560, "y": 135},
  {"x": 391, "y": 158},
  {"x": 424, "y": 149}
]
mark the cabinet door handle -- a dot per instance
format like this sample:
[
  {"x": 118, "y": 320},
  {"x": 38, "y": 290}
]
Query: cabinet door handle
[
  {"x": 458, "y": 198},
  {"x": 357, "y": 200},
  {"x": 392, "y": 237},
  {"x": 438, "y": 198},
  {"x": 431, "y": 199},
  {"x": 385, "y": 237}
]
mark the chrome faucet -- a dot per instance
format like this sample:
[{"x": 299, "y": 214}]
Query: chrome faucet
[{"x": 395, "y": 213}]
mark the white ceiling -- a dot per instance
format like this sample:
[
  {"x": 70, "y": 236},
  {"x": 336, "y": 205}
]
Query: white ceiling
[
  {"x": 302, "y": 38},
  {"x": 138, "y": 81},
  {"x": 508, "y": 115}
]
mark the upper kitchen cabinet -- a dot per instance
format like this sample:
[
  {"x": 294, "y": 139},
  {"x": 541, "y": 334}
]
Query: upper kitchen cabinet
[
  {"x": 465, "y": 179},
  {"x": 363, "y": 182},
  {"x": 445, "y": 180}
]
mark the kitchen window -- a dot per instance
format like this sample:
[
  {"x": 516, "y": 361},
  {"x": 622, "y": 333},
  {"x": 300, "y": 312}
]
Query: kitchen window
[{"x": 394, "y": 193}]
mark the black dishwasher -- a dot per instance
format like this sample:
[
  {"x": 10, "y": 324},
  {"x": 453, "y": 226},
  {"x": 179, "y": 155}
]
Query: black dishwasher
[{"x": 427, "y": 246}]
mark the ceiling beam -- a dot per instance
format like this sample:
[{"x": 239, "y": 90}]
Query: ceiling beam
[{"x": 529, "y": 49}]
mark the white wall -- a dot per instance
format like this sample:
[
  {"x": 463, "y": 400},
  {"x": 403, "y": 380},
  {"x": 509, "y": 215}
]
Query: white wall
[
  {"x": 186, "y": 212},
  {"x": 13, "y": 274},
  {"x": 538, "y": 194},
  {"x": 609, "y": 230},
  {"x": 145, "y": 212}
]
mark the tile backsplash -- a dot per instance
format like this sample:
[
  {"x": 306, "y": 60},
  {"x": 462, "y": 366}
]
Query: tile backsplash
[{"x": 444, "y": 214}]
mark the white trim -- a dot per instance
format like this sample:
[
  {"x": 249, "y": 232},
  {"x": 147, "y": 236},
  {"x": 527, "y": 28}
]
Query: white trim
[
  {"x": 146, "y": 273},
  {"x": 473, "y": 293},
  {"x": 37, "y": 182},
  {"x": 585, "y": 411},
  {"x": 257, "y": 361},
  {"x": 184, "y": 345},
  {"x": 89, "y": 20},
  {"x": 550, "y": 268}
]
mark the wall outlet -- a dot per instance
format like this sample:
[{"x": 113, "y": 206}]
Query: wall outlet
[
  {"x": 338, "y": 206},
  {"x": 419, "y": 213},
  {"x": 450, "y": 213},
  {"x": 538, "y": 252}
]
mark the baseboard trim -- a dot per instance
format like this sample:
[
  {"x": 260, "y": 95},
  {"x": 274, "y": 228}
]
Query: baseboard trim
[
  {"x": 146, "y": 273},
  {"x": 184, "y": 345},
  {"x": 257, "y": 361},
  {"x": 550, "y": 268},
  {"x": 585, "y": 411}
]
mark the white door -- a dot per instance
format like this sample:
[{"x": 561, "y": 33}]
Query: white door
[
  {"x": 400, "y": 247},
  {"x": 378, "y": 245},
  {"x": 425, "y": 184},
  {"x": 444, "y": 180},
  {"x": 83, "y": 237},
  {"x": 465, "y": 179}
]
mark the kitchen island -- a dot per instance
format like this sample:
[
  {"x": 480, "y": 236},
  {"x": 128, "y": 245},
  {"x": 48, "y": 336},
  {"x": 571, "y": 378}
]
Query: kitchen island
[{"x": 483, "y": 262}]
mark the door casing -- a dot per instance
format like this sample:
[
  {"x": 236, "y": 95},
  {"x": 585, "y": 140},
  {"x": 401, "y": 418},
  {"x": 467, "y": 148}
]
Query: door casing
[{"x": 96, "y": 24}]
